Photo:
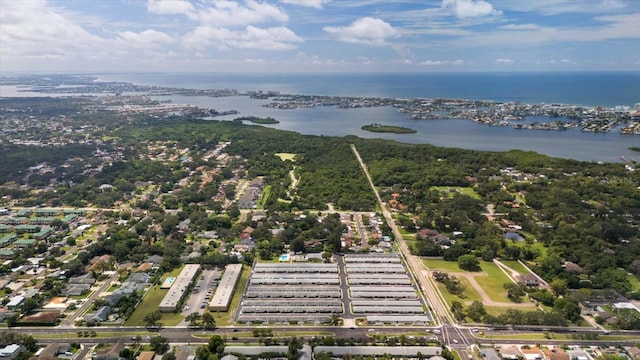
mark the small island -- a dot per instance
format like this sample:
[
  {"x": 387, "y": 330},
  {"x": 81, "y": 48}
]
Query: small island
[
  {"x": 388, "y": 129},
  {"x": 634, "y": 148},
  {"x": 259, "y": 120}
]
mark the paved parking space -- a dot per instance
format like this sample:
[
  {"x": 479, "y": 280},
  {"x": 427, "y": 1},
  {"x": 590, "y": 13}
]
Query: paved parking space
[{"x": 201, "y": 292}]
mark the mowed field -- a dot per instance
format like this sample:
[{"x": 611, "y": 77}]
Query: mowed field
[
  {"x": 451, "y": 190},
  {"x": 486, "y": 286},
  {"x": 151, "y": 302},
  {"x": 286, "y": 156}
]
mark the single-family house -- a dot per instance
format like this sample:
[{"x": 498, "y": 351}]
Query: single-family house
[
  {"x": 555, "y": 354},
  {"x": 82, "y": 279},
  {"x": 146, "y": 355},
  {"x": 98, "y": 316},
  {"x": 15, "y": 303},
  {"x": 532, "y": 353},
  {"x": 76, "y": 289}
]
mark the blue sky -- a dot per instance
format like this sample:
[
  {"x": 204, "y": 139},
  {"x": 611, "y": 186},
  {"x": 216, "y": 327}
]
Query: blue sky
[{"x": 319, "y": 35}]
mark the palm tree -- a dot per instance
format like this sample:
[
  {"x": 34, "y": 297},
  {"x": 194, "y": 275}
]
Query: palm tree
[{"x": 334, "y": 320}]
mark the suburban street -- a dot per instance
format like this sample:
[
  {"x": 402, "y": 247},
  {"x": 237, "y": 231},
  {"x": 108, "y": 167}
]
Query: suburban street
[{"x": 89, "y": 301}]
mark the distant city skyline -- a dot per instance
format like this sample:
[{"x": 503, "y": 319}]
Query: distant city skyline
[{"x": 319, "y": 35}]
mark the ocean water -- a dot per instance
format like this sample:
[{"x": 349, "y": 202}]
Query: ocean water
[{"x": 591, "y": 89}]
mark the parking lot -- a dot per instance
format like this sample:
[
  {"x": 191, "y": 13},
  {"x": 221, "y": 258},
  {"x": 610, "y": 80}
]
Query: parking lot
[{"x": 202, "y": 292}]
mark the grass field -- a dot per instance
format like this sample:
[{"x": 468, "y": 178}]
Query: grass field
[
  {"x": 469, "y": 293},
  {"x": 151, "y": 302},
  {"x": 226, "y": 318},
  {"x": 439, "y": 264},
  {"x": 286, "y": 156},
  {"x": 493, "y": 284},
  {"x": 535, "y": 244},
  {"x": 458, "y": 189},
  {"x": 555, "y": 336},
  {"x": 635, "y": 283},
  {"x": 409, "y": 238},
  {"x": 515, "y": 265},
  {"x": 266, "y": 192}
]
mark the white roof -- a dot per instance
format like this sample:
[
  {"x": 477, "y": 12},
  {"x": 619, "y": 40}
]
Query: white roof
[{"x": 16, "y": 300}]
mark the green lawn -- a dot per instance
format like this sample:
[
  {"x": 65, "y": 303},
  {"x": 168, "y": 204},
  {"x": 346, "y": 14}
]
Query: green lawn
[
  {"x": 266, "y": 192},
  {"x": 499, "y": 310},
  {"x": 515, "y": 265},
  {"x": 535, "y": 244},
  {"x": 458, "y": 189},
  {"x": 226, "y": 318},
  {"x": 634, "y": 281},
  {"x": 286, "y": 156},
  {"x": 493, "y": 284},
  {"x": 409, "y": 238},
  {"x": 439, "y": 264},
  {"x": 555, "y": 336},
  {"x": 469, "y": 293},
  {"x": 151, "y": 302}
]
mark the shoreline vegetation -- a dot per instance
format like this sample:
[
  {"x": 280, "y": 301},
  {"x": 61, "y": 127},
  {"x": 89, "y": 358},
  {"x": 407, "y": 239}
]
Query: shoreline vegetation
[
  {"x": 258, "y": 120},
  {"x": 388, "y": 129}
]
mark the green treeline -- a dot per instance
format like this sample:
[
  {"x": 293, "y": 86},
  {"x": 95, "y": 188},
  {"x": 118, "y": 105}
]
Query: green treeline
[
  {"x": 259, "y": 120},
  {"x": 388, "y": 129}
]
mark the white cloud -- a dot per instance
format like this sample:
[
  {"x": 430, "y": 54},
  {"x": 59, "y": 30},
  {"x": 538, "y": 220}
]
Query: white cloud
[
  {"x": 433, "y": 63},
  {"x": 556, "y": 7},
  {"x": 561, "y": 61},
  {"x": 148, "y": 38},
  {"x": 505, "y": 61},
  {"x": 171, "y": 7},
  {"x": 469, "y": 8},
  {"x": 309, "y": 3},
  {"x": 275, "y": 38},
  {"x": 520, "y": 27},
  {"x": 232, "y": 13},
  {"x": 366, "y": 30},
  {"x": 35, "y": 29},
  {"x": 456, "y": 62},
  {"x": 610, "y": 27},
  {"x": 220, "y": 12}
]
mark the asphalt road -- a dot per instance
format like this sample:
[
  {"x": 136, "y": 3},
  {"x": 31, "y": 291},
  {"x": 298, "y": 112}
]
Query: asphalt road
[
  {"x": 344, "y": 288},
  {"x": 184, "y": 335}
]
